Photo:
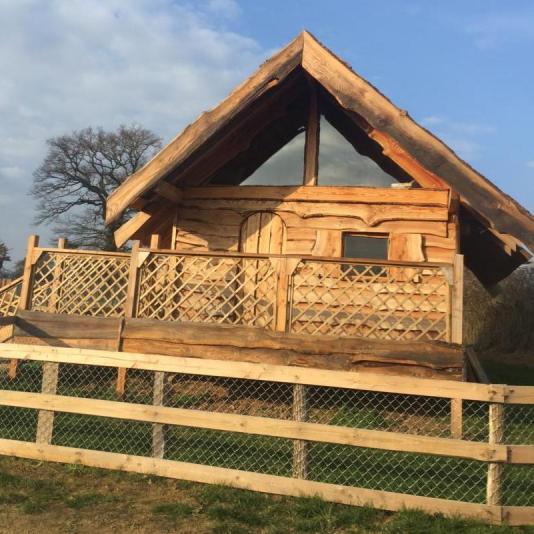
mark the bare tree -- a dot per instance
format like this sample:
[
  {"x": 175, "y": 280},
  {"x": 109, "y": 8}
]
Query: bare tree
[
  {"x": 4, "y": 255},
  {"x": 79, "y": 172}
]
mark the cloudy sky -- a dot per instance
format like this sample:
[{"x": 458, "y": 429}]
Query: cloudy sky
[{"x": 463, "y": 69}]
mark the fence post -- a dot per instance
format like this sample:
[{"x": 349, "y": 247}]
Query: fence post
[
  {"x": 129, "y": 308},
  {"x": 45, "y": 418},
  {"x": 300, "y": 403},
  {"x": 26, "y": 290},
  {"x": 300, "y": 447},
  {"x": 158, "y": 430},
  {"x": 457, "y": 300},
  {"x": 457, "y": 418},
  {"x": 495, "y": 470},
  {"x": 456, "y": 334}
]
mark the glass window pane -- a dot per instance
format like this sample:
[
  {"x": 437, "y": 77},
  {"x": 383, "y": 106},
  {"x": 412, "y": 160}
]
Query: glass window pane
[
  {"x": 285, "y": 167},
  {"x": 341, "y": 164},
  {"x": 358, "y": 246}
]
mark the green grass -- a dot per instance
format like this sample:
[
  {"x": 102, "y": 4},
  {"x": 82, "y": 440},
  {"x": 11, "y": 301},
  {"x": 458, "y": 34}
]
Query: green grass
[{"x": 54, "y": 495}]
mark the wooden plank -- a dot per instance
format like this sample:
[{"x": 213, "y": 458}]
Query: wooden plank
[
  {"x": 131, "y": 227},
  {"x": 457, "y": 300},
  {"x": 406, "y": 247},
  {"x": 521, "y": 454},
  {"x": 262, "y": 426},
  {"x": 520, "y": 395},
  {"x": 254, "y": 371},
  {"x": 337, "y": 194},
  {"x": 518, "y": 515},
  {"x": 246, "y": 480},
  {"x": 311, "y": 145}
]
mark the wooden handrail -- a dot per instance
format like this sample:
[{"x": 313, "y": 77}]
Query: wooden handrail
[{"x": 11, "y": 284}]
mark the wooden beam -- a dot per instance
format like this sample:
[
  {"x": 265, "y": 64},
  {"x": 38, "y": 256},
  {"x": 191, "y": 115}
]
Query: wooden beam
[
  {"x": 169, "y": 192},
  {"x": 338, "y": 194},
  {"x": 275, "y": 373},
  {"x": 311, "y": 147},
  {"x": 130, "y": 227},
  {"x": 261, "y": 426},
  {"x": 246, "y": 480}
]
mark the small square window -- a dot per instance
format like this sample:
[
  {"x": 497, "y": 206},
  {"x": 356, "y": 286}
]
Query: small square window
[{"x": 364, "y": 247}]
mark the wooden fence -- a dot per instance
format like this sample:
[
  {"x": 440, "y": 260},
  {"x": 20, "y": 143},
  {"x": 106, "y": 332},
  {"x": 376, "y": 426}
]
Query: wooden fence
[
  {"x": 316, "y": 296},
  {"x": 362, "y": 439}
]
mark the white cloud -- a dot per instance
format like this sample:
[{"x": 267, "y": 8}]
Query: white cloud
[
  {"x": 68, "y": 64},
  {"x": 530, "y": 164},
  {"x": 465, "y": 138}
]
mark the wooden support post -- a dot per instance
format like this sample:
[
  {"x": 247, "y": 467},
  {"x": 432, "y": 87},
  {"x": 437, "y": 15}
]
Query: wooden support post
[
  {"x": 311, "y": 147},
  {"x": 300, "y": 453},
  {"x": 495, "y": 470},
  {"x": 26, "y": 290},
  {"x": 154, "y": 241},
  {"x": 158, "y": 430},
  {"x": 56, "y": 282},
  {"x": 457, "y": 300},
  {"x": 45, "y": 419},
  {"x": 129, "y": 308},
  {"x": 456, "y": 418}
]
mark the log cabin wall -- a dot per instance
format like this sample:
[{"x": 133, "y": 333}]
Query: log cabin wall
[{"x": 421, "y": 224}]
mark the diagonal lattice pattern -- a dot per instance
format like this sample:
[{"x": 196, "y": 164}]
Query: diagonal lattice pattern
[
  {"x": 208, "y": 289},
  {"x": 80, "y": 284},
  {"x": 379, "y": 302},
  {"x": 9, "y": 298}
]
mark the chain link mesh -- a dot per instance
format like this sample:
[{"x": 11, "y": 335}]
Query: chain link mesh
[{"x": 401, "y": 472}]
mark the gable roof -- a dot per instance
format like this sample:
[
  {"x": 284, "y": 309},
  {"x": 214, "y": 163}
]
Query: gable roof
[{"x": 509, "y": 221}]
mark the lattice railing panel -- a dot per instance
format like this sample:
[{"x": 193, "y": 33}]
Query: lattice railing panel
[
  {"x": 80, "y": 284},
  {"x": 207, "y": 289},
  {"x": 374, "y": 301},
  {"x": 9, "y": 298}
]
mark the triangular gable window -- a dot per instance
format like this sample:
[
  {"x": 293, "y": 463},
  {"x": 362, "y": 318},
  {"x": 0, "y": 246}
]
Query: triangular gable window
[
  {"x": 341, "y": 164},
  {"x": 285, "y": 167}
]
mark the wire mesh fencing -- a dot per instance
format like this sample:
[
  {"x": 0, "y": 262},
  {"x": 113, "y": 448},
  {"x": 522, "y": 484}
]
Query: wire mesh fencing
[{"x": 238, "y": 423}]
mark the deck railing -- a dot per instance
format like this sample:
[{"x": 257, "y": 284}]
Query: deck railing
[{"x": 300, "y": 294}]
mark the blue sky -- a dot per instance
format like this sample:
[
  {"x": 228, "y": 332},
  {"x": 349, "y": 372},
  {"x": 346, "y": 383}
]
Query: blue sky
[{"x": 464, "y": 69}]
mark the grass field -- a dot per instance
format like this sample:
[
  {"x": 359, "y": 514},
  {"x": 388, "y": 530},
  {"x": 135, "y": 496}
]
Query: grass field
[{"x": 53, "y": 498}]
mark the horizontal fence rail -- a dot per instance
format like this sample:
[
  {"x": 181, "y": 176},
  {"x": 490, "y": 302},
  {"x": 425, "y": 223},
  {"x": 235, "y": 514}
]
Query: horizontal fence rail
[
  {"x": 315, "y": 296},
  {"x": 356, "y": 438}
]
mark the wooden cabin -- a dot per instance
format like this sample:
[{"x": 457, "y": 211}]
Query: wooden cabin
[{"x": 308, "y": 204}]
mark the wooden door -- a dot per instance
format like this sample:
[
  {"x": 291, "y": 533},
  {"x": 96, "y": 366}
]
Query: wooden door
[{"x": 262, "y": 233}]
